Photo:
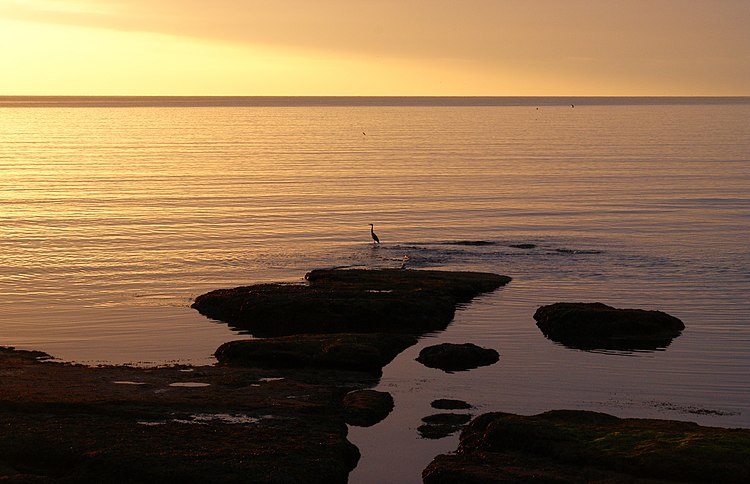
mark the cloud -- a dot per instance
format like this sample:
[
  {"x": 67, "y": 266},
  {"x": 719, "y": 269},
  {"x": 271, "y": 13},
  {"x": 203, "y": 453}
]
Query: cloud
[
  {"x": 475, "y": 29},
  {"x": 546, "y": 38}
]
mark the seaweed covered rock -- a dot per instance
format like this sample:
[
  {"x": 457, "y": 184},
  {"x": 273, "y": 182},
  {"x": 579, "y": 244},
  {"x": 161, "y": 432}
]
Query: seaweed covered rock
[
  {"x": 457, "y": 357},
  {"x": 580, "y": 446},
  {"x": 349, "y": 301},
  {"x": 358, "y": 352},
  {"x": 364, "y": 408},
  {"x": 598, "y": 326}
]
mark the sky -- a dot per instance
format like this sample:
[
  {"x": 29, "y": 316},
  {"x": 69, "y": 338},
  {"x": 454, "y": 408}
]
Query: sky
[{"x": 375, "y": 47}]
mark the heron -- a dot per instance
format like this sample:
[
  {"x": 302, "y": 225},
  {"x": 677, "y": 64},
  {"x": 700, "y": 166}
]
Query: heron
[{"x": 372, "y": 232}]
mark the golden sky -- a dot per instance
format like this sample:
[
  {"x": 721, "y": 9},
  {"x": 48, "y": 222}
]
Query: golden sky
[{"x": 375, "y": 47}]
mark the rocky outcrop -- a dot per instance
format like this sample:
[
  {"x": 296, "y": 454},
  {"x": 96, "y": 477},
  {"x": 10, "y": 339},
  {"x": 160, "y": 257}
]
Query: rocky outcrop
[
  {"x": 358, "y": 352},
  {"x": 213, "y": 424},
  {"x": 266, "y": 414},
  {"x": 349, "y": 301},
  {"x": 598, "y": 326},
  {"x": 364, "y": 408},
  {"x": 9, "y": 354},
  {"x": 457, "y": 357},
  {"x": 578, "y": 446}
]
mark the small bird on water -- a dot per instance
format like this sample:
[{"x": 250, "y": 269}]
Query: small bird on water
[{"x": 372, "y": 232}]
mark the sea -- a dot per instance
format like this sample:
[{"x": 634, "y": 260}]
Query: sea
[{"x": 115, "y": 213}]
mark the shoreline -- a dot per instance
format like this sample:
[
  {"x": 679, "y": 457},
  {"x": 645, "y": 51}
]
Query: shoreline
[
  {"x": 73, "y": 423},
  {"x": 278, "y": 408},
  {"x": 284, "y": 400},
  {"x": 172, "y": 424}
]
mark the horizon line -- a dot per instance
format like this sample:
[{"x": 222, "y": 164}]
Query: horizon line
[
  {"x": 2, "y": 96},
  {"x": 23, "y": 101}
]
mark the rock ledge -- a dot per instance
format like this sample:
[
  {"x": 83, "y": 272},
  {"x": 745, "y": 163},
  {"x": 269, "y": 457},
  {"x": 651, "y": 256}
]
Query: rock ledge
[
  {"x": 598, "y": 326},
  {"x": 349, "y": 301},
  {"x": 579, "y": 446}
]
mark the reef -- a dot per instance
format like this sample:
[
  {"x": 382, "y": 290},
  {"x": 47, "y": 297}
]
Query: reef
[
  {"x": 580, "y": 446},
  {"x": 349, "y": 301},
  {"x": 212, "y": 424},
  {"x": 273, "y": 410}
]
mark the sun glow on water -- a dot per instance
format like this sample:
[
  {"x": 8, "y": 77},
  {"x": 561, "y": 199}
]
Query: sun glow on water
[{"x": 112, "y": 220}]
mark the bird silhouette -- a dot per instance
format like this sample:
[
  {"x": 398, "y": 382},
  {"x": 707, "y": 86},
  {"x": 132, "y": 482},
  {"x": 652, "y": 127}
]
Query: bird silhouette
[{"x": 372, "y": 232}]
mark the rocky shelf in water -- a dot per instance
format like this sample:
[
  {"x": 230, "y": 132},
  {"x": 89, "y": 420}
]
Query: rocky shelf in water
[
  {"x": 591, "y": 326},
  {"x": 75, "y": 424},
  {"x": 381, "y": 312},
  {"x": 273, "y": 410},
  {"x": 276, "y": 410},
  {"x": 367, "y": 352},
  {"x": 78, "y": 424},
  {"x": 349, "y": 301},
  {"x": 581, "y": 446}
]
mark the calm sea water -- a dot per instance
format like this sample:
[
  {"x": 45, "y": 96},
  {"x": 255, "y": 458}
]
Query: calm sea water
[{"x": 116, "y": 213}]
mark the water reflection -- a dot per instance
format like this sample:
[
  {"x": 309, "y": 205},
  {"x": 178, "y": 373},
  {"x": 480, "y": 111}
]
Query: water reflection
[{"x": 614, "y": 345}]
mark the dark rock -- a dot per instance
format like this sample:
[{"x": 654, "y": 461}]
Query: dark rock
[
  {"x": 447, "y": 419},
  {"x": 349, "y": 301},
  {"x": 523, "y": 246},
  {"x": 578, "y": 251},
  {"x": 478, "y": 243},
  {"x": 359, "y": 352},
  {"x": 578, "y": 446},
  {"x": 77, "y": 424},
  {"x": 448, "y": 404},
  {"x": 441, "y": 425},
  {"x": 365, "y": 408},
  {"x": 598, "y": 326},
  {"x": 9, "y": 353},
  {"x": 457, "y": 357}
]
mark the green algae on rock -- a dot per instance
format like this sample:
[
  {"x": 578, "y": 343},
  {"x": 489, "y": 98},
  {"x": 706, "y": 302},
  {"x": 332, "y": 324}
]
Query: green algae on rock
[
  {"x": 349, "y": 301},
  {"x": 581, "y": 446}
]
